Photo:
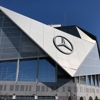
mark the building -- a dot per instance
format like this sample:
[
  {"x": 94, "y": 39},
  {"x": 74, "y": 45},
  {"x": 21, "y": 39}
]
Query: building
[{"x": 38, "y": 61}]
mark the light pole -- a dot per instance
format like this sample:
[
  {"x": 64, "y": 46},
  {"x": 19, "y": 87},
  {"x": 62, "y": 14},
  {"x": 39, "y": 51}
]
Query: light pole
[
  {"x": 35, "y": 96},
  {"x": 74, "y": 97},
  {"x": 14, "y": 96},
  {"x": 6, "y": 95},
  {"x": 87, "y": 96},
  {"x": 56, "y": 96},
  {"x": 69, "y": 92},
  {"x": 0, "y": 95}
]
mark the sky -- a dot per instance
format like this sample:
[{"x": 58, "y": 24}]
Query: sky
[{"x": 83, "y": 13}]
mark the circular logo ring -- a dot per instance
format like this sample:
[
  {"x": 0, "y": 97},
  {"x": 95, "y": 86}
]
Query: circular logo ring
[{"x": 63, "y": 44}]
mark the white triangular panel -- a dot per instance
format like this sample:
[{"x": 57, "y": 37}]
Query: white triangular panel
[
  {"x": 84, "y": 36},
  {"x": 43, "y": 35},
  {"x": 91, "y": 63}
]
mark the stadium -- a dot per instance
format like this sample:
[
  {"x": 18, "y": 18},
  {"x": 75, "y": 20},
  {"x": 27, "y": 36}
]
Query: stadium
[{"x": 39, "y": 61}]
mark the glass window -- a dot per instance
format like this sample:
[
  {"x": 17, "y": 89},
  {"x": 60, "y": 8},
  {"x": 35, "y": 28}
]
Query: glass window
[
  {"x": 82, "y": 80},
  {"x": 10, "y": 45},
  {"x": 88, "y": 80},
  {"x": 1, "y": 15},
  {"x": 8, "y": 70},
  {"x": 93, "y": 80},
  {"x": 1, "y": 19},
  {"x": 5, "y": 33},
  {"x": 99, "y": 80},
  {"x": 10, "y": 40},
  {"x": 46, "y": 70},
  {"x": 76, "y": 79},
  {"x": 8, "y": 25},
  {"x": 27, "y": 70},
  {"x": 62, "y": 76},
  {"x": 11, "y": 30},
  {"x": 28, "y": 52},
  {"x": 96, "y": 81}
]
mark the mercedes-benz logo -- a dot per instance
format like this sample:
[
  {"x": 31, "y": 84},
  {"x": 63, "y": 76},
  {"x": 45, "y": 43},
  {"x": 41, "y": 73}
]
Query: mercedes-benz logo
[{"x": 63, "y": 45}]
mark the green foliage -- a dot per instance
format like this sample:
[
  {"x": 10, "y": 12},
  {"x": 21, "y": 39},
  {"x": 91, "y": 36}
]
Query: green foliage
[
  {"x": 81, "y": 98},
  {"x": 69, "y": 98},
  {"x": 96, "y": 98},
  {"x": 90, "y": 98}
]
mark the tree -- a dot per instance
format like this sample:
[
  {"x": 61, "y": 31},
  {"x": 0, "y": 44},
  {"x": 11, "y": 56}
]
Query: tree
[
  {"x": 69, "y": 98},
  {"x": 81, "y": 98},
  {"x": 96, "y": 98},
  {"x": 90, "y": 98}
]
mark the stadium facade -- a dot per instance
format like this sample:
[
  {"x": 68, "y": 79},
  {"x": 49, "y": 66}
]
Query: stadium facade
[{"x": 38, "y": 61}]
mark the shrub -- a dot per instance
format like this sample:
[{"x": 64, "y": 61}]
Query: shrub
[
  {"x": 69, "y": 98},
  {"x": 96, "y": 98},
  {"x": 90, "y": 98},
  {"x": 81, "y": 98}
]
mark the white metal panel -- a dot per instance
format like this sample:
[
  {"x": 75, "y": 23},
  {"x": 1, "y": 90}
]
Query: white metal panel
[
  {"x": 80, "y": 49},
  {"x": 36, "y": 32},
  {"x": 48, "y": 35},
  {"x": 84, "y": 36},
  {"x": 74, "y": 59},
  {"x": 71, "y": 71},
  {"x": 87, "y": 46},
  {"x": 48, "y": 43},
  {"x": 43, "y": 35},
  {"x": 91, "y": 63}
]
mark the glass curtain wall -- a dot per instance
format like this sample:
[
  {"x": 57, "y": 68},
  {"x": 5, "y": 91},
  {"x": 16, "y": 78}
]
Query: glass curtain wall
[
  {"x": 42, "y": 69},
  {"x": 62, "y": 76},
  {"x": 8, "y": 70},
  {"x": 14, "y": 43},
  {"x": 27, "y": 70},
  {"x": 47, "y": 70}
]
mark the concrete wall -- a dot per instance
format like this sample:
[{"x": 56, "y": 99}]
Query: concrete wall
[
  {"x": 62, "y": 90},
  {"x": 86, "y": 91}
]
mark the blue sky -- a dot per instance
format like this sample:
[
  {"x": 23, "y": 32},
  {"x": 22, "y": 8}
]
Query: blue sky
[{"x": 83, "y": 13}]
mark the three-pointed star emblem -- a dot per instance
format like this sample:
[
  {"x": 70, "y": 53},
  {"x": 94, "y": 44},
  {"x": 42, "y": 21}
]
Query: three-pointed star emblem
[{"x": 69, "y": 47}]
